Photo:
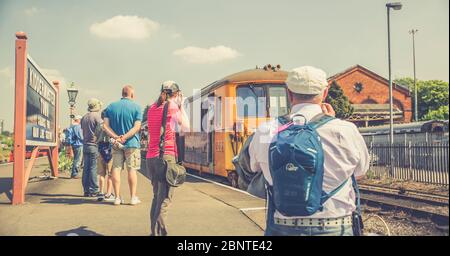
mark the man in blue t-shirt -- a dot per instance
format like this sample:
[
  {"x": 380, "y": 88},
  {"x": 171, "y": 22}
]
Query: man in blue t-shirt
[
  {"x": 76, "y": 141},
  {"x": 122, "y": 123}
]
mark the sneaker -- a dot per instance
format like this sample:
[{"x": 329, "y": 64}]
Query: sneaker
[
  {"x": 100, "y": 197},
  {"x": 135, "y": 200},
  {"x": 109, "y": 198},
  {"x": 118, "y": 201},
  {"x": 95, "y": 194}
]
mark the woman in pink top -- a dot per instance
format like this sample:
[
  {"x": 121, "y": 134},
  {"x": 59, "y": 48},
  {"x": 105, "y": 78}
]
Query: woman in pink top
[{"x": 176, "y": 117}]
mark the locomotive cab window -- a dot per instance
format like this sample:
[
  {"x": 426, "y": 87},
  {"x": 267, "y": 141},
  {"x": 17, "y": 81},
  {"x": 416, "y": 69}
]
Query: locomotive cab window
[
  {"x": 277, "y": 101},
  {"x": 251, "y": 101}
]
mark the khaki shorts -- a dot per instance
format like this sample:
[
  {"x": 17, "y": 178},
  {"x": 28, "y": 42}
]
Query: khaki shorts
[
  {"x": 103, "y": 168},
  {"x": 129, "y": 156}
]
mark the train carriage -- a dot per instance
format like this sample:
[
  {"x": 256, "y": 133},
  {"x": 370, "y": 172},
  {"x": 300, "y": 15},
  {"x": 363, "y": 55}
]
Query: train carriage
[{"x": 231, "y": 109}]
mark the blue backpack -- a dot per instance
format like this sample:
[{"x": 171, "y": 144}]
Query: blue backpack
[{"x": 296, "y": 166}]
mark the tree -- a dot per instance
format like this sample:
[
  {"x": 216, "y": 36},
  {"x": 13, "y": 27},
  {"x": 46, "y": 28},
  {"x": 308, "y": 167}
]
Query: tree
[
  {"x": 438, "y": 114},
  {"x": 144, "y": 114},
  {"x": 339, "y": 101},
  {"x": 6, "y": 134},
  {"x": 432, "y": 96}
]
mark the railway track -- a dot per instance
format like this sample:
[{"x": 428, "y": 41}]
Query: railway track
[
  {"x": 433, "y": 199},
  {"x": 417, "y": 204}
]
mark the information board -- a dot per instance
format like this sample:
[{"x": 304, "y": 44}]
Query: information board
[{"x": 41, "y": 108}]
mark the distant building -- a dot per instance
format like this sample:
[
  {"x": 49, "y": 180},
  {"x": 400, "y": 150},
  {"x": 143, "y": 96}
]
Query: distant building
[{"x": 368, "y": 93}]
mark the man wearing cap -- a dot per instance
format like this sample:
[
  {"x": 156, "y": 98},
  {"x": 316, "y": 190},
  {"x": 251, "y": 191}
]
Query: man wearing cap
[
  {"x": 345, "y": 154},
  {"x": 89, "y": 124},
  {"x": 176, "y": 117},
  {"x": 76, "y": 142},
  {"x": 122, "y": 123}
]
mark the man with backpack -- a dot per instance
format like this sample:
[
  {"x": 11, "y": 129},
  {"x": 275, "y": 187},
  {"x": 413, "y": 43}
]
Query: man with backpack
[
  {"x": 309, "y": 161},
  {"x": 74, "y": 137}
]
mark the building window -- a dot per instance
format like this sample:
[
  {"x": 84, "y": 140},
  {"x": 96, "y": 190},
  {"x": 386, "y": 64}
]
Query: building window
[{"x": 358, "y": 87}]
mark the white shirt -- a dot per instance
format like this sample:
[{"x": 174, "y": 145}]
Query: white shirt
[{"x": 345, "y": 153}]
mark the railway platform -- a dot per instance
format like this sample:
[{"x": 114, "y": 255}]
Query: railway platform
[{"x": 56, "y": 207}]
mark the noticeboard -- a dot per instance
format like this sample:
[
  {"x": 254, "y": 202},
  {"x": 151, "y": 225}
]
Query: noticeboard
[{"x": 41, "y": 108}]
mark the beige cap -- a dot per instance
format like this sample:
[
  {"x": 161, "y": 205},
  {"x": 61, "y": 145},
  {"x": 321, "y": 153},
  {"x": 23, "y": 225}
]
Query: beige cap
[
  {"x": 307, "y": 80},
  {"x": 94, "y": 105}
]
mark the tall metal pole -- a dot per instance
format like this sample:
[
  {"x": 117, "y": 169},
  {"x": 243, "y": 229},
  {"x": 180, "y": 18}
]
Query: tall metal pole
[
  {"x": 391, "y": 116},
  {"x": 416, "y": 103}
]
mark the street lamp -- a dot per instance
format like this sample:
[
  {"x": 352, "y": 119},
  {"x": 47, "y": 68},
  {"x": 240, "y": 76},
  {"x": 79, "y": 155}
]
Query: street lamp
[
  {"x": 416, "y": 103},
  {"x": 395, "y": 6},
  {"x": 72, "y": 92}
]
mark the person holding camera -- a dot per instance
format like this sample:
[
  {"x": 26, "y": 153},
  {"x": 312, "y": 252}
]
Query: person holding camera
[
  {"x": 310, "y": 161},
  {"x": 165, "y": 117}
]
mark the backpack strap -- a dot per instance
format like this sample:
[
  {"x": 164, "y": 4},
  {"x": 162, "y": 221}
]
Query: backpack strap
[
  {"x": 326, "y": 196},
  {"x": 284, "y": 119},
  {"x": 163, "y": 130},
  {"x": 358, "y": 197},
  {"x": 319, "y": 120}
]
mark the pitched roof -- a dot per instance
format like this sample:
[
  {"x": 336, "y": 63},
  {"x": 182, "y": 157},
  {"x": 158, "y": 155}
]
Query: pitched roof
[{"x": 401, "y": 88}]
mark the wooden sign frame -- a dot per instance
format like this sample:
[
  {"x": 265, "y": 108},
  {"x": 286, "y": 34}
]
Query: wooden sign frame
[{"x": 21, "y": 173}]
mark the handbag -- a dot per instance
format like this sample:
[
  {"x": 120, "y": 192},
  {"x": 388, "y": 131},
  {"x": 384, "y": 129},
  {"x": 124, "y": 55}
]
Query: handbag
[
  {"x": 253, "y": 183},
  {"x": 173, "y": 173}
]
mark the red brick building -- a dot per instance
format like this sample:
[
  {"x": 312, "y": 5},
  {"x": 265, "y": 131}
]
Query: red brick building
[{"x": 368, "y": 93}]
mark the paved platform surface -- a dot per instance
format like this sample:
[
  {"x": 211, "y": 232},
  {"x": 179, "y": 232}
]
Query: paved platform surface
[{"x": 56, "y": 207}]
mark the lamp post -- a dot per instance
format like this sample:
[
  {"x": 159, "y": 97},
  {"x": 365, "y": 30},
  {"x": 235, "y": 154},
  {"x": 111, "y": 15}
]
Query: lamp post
[
  {"x": 72, "y": 92},
  {"x": 395, "y": 6},
  {"x": 416, "y": 103}
]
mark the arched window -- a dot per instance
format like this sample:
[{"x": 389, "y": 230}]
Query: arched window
[
  {"x": 369, "y": 101},
  {"x": 397, "y": 104}
]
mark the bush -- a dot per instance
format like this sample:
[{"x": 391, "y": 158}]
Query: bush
[{"x": 65, "y": 163}]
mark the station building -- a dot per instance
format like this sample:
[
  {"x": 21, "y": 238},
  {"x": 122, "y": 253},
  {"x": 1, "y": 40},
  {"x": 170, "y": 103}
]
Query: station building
[{"x": 368, "y": 93}]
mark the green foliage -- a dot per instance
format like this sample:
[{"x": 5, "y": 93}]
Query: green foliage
[
  {"x": 5, "y": 150},
  {"x": 432, "y": 97},
  {"x": 406, "y": 81},
  {"x": 438, "y": 114},
  {"x": 339, "y": 101},
  {"x": 144, "y": 114},
  {"x": 64, "y": 162},
  {"x": 7, "y": 133}
]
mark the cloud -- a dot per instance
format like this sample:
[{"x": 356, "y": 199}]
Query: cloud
[
  {"x": 8, "y": 74},
  {"x": 32, "y": 11},
  {"x": 199, "y": 55},
  {"x": 91, "y": 92},
  {"x": 125, "y": 27},
  {"x": 175, "y": 35},
  {"x": 54, "y": 74},
  {"x": 50, "y": 74}
]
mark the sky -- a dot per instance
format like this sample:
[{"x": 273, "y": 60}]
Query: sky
[{"x": 102, "y": 45}]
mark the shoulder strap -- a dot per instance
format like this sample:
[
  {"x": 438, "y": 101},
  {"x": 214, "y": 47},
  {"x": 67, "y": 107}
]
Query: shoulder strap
[
  {"x": 163, "y": 130},
  {"x": 358, "y": 197},
  {"x": 319, "y": 120},
  {"x": 326, "y": 196},
  {"x": 284, "y": 119}
]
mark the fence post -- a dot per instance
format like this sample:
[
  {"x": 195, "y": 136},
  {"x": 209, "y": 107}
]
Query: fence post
[{"x": 410, "y": 161}]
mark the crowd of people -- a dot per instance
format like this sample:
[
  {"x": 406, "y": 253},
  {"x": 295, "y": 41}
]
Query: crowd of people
[{"x": 107, "y": 140}]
